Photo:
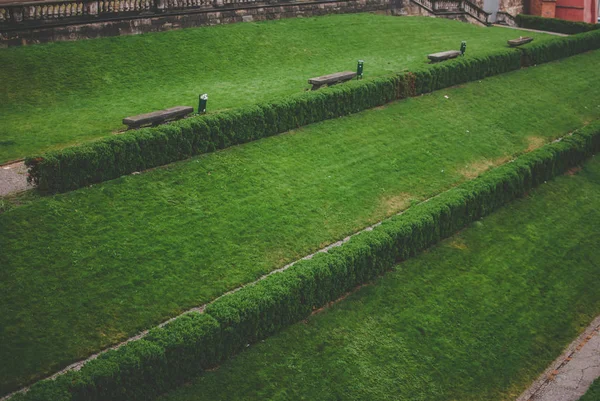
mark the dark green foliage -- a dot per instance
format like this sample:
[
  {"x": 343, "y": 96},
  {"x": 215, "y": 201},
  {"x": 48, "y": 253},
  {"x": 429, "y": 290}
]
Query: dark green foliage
[
  {"x": 168, "y": 356},
  {"x": 113, "y": 157},
  {"x": 141, "y": 369},
  {"x": 593, "y": 393},
  {"x": 477, "y": 317},
  {"x": 132, "y": 372},
  {"x": 260, "y": 310},
  {"x": 49, "y": 390},
  {"x": 538, "y": 53},
  {"x": 554, "y": 24},
  {"x": 191, "y": 345}
]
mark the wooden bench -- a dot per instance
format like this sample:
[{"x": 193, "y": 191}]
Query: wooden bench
[
  {"x": 519, "y": 42},
  {"x": 331, "y": 79},
  {"x": 157, "y": 117},
  {"x": 441, "y": 56}
]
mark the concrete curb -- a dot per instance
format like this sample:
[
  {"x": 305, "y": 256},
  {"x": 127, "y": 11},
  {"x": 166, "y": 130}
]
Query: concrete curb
[{"x": 554, "y": 383}]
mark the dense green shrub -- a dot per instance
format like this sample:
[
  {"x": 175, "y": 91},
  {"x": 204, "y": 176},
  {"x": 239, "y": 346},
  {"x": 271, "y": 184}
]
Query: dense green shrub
[
  {"x": 138, "y": 150},
  {"x": 560, "y": 47},
  {"x": 259, "y": 310},
  {"x": 554, "y": 24},
  {"x": 141, "y": 369},
  {"x": 109, "y": 158},
  {"x": 172, "y": 354}
]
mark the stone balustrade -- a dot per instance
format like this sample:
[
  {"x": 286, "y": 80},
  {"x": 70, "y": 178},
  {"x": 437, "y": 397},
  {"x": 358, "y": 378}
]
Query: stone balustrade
[
  {"x": 454, "y": 6},
  {"x": 42, "y": 12}
]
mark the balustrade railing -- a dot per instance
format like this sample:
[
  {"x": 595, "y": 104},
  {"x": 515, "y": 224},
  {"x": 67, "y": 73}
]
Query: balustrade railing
[
  {"x": 38, "y": 13},
  {"x": 455, "y": 6}
]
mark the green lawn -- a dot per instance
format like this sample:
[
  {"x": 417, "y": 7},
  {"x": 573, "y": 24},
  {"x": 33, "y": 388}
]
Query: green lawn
[
  {"x": 57, "y": 94},
  {"x": 593, "y": 394},
  {"x": 477, "y": 317},
  {"x": 83, "y": 270}
]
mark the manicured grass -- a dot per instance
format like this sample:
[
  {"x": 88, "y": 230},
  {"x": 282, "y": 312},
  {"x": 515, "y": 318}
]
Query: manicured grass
[
  {"x": 593, "y": 393},
  {"x": 64, "y": 93},
  {"x": 89, "y": 268},
  {"x": 475, "y": 318}
]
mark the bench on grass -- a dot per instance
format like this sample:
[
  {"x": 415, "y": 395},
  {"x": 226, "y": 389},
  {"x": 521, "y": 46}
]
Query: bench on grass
[
  {"x": 441, "y": 56},
  {"x": 519, "y": 42},
  {"x": 331, "y": 79},
  {"x": 157, "y": 117}
]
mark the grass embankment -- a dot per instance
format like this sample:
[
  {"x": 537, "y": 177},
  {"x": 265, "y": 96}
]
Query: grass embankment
[
  {"x": 57, "y": 94},
  {"x": 475, "y": 318},
  {"x": 593, "y": 393},
  {"x": 89, "y": 268}
]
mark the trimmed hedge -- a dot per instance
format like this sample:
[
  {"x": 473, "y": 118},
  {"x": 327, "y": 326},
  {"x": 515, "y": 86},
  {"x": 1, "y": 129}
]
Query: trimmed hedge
[
  {"x": 560, "y": 47},
  {"x": 165, "y": 358},
  {"x": 554, "y": 24},
  {"x": 168, "y": 356},
  {"x": 112, "y": 157}
]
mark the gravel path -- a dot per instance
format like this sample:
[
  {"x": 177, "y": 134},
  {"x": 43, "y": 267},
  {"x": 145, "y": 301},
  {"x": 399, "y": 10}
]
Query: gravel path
[
  {"x": 13, "y": 178},
  {"x": 572, "y": 373}
]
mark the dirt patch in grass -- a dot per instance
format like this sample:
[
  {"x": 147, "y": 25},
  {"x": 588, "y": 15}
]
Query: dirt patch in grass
[
  {"x": 573, "y": 170},
  {"x": 396, "y": 203},
  {"x": 474, "y": 169},
  {"x": 534, "y": 142},
  {"x": 458, "y": 243}
]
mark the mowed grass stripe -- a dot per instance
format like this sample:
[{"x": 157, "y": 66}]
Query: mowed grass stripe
[
  {"x": 476, "y": 317},
  {"x": 63, "y": 93},
  {"x": 90, "y": 268}
]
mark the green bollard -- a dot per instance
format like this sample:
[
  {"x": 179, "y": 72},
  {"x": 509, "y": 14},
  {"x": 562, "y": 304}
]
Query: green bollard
[
  {"x": 359, "y": 69},
  {"x": 202, "y": 104},
  {"x": 463, "y": 47}
]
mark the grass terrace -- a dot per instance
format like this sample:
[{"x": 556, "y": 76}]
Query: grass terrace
[
  {"x": 58, "y": 94},
  {"x": 477, "y": 317},
  {"x": 593, "y": 393},
  {"x": 86, "y": 269}
]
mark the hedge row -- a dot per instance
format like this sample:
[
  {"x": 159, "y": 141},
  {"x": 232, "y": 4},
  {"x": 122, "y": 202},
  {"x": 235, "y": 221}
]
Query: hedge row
[
  {"x": 112, "y": 157},
  {"x": 560, "y": 47},
  {"x": 554, "y": 24},
  {"x": 138, "y": 150},
  {"x": 170, "y": 355}
]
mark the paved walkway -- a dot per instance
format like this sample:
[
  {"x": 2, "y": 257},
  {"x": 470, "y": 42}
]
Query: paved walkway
[
  {"x": 571, "y": 374},
  {"x": 531, "y": 30},
  {"x": 13, "y": 178}
]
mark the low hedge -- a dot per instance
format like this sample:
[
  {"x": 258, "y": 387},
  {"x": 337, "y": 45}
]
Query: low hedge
[
  {"x": 560, "y": 47},
  {"x": 554, "y": 24},
  {"x": 165, "y": 358},
  {"x": 170, "y": 355},
  {"x": 112, "y": 157}
]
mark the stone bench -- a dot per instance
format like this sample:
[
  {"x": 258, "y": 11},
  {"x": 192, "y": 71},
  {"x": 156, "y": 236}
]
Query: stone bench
[
  {"x": 157, "y": 117},
  {"x": 441, "y": 56},
  {"x": 519, "y": 42},
  {"x": 331, "y": 79}
]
